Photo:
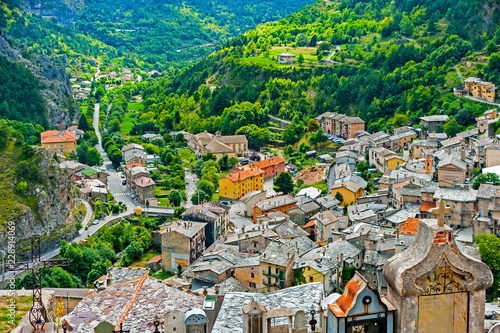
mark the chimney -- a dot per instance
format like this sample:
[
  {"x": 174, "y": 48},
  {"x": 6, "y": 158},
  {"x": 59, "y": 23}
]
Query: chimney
[{"x": 217, "y": 289}]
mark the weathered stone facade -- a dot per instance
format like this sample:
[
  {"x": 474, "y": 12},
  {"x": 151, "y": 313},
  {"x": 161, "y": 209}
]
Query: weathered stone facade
[{"x": 434, "y": 287}]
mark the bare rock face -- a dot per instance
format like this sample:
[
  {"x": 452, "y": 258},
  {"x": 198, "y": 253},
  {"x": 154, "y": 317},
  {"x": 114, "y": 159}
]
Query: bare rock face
[
  {"x": 55, "y": 87},
  {"x": 52, "y": 199}
]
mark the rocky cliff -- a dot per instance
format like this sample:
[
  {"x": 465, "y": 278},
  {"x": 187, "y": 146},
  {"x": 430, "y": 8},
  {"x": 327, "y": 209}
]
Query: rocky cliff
[
  {"x": 54, "y": 84},
  {"x": 45, "y": 208}
]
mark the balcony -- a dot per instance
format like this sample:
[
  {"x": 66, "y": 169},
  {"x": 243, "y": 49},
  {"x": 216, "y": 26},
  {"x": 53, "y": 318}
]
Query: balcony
[{"x": 280, "y": 275}]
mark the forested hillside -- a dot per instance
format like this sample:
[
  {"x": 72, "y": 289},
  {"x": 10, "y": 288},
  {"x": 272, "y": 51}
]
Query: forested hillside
[
  {"x": 162, "y": 32},
  {"x": 389, "y": 63}
]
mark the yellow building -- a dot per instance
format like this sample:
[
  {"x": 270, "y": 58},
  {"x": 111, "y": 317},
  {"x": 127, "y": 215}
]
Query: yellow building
[
  {"x": 393, "y": 162},
  {"x": 480, "y": 89},
  {"x": 242, "y": 181},
  {"x": 57, "y": 141},
  {"x": 276, "y": 264},
  {"x": 350, "y": 191}
]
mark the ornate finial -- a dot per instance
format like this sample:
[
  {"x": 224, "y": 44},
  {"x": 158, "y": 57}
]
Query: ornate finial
[{"x": 440, "y": 212}]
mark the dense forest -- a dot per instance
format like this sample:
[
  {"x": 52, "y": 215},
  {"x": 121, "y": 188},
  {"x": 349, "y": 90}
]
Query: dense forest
[
  {"x": 19, "y": 95},
  {"x": 395, "y": 62}
]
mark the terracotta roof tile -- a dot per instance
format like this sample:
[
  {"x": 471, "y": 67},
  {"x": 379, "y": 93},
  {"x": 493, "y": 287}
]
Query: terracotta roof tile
[
  {"x": 268, "y": 162},
  {"x": 246, "y": 173},
  {"x": 57, "y": 136},
  {"x": 410, "y": 227},
  {"x": 427, "y": 206}
]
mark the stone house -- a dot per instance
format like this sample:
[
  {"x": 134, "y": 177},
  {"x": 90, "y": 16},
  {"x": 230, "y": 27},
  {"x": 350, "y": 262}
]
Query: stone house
[
  {"x": 379, "y": 140},
  {"x": 492, "y": 155},
  {"x": 247, "y": 271},
  {"x": 276, "y": 264},
  {"x": 255, "y": 241},
  {"x": 418, "y": 146},
  {"x": 144, "y": 187},
  {"x": 452, "y": 168},
  {"x": 181, "y": 244},
  {"x": 462, "y": 201},
  {"x": 250, "y": 199},
  {"x": 286, "y": 58},
  {"x": 214, "y": 214},
  {"x": 407, "y": 192},
  {"x": 431, "y": 123},
  {"x": 326, "y": 223},
  {"x": 134, "y": 153},
  {"x": 305, "y": 208},
  {"x": 91, "y": 173},
  {"x": 384, "y": 159},
  {"x": 347, "y": 157},
  {"x": 480, "y": 147},
  {"x": 231, "y": 145}
]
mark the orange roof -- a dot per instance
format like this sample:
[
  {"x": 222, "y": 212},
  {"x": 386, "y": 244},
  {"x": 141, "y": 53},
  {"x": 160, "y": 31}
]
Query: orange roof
[
  {"x": 73, "y": 127},
  {"x": 268, "y": 162},
  {"x": 427, "y": 206},
  {"x": 310, "y": 224},
  {"x": 154, "y": 259},
  {"x": 133, "y": 164},
  {"x": 245, "y": 173},
  {"x": 57, "y": 136},
  {"x": 410, "y": 226},
  {"x": 345, "y": 302}
]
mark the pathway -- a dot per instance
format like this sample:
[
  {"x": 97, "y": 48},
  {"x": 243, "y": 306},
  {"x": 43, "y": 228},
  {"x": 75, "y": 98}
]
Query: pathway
[{"x": 479, "y": 100}]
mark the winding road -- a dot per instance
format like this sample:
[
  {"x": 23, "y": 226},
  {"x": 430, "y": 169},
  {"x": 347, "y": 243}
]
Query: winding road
[{"x": 115, "y": 187}]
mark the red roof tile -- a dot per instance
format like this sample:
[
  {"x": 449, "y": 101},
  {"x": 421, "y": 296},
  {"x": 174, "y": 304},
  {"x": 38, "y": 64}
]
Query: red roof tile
[
  {"x": 144, "y": 181},
  {"x": 410, "y": 226},
  {"x": 246, "y": 173},
  {"x": 310, "y": 224},
  {"x": 268, "y": 162},
  {"x": 427, "y": 206},
  {"x": 57, "y": 136}
]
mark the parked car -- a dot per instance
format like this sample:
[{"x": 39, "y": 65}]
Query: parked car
[
  {"x": 124, "y": 182},
  {"x": 123, "y": 176},
  {"x": 96, "y": 222},
  {"x": 132, "y": 196}
]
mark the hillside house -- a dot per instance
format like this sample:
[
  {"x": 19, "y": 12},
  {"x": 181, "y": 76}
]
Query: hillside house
[{"x": 286, "y": 58}]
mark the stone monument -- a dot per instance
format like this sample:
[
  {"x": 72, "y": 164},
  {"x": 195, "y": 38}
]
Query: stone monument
[{"x": 433, "y": 286}]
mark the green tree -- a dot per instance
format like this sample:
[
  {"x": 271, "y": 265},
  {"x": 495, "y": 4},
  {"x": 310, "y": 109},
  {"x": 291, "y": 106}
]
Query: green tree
[
  {"x": 224, "y": 162},
  {"x": 339, "y": 196},
  {"x": 233, "y": 162},
  {"x": 489, "y": 248},
  {"x": 451, "y": 128},
  {"x": 199, "y": 196},
  {"x": 284, "y": 182},
  {"x": 83, "y": 124},
  {"x": 289, "y": 150},
  {"x": 175, "y": 198},
  {"x": 463, "y": 117},
  {"x": 312, "y": 125},
  {"x": 21, "y": 187},
  {"x": 486, "y": 178},
  {"x": 94, "y": 157},
  {"x": 300, "y": 59},
  {"x": 4, "y": 135},
  {"x": 98, "y": 269},
  {"x": 491, "y": 47},
  {"x": 313, "y": 40},
  {"x": 206, "y": 186}
]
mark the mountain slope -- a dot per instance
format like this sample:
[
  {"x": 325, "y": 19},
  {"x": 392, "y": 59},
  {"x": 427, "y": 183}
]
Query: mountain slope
[
  {"x": 164, "y": 31},
  {"x": 396, "y": 62}
]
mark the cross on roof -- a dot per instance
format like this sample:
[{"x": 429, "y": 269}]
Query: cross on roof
[{"x": 440, "y": 211}]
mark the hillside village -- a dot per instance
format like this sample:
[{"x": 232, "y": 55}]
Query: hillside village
[
  {"x": 266, "y": 244},
  {"x": 336, "y": 171}
]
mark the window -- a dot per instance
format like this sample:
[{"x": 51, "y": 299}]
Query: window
[
  {"x": 48, "y": 145},
  {"x": 61, "y": 145},
  {"x": 252, "y": 275},
  {"x": 308, "y": 268},
  {"x": 311, "y": 279},
  {"x": 277, "y": 270}
]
